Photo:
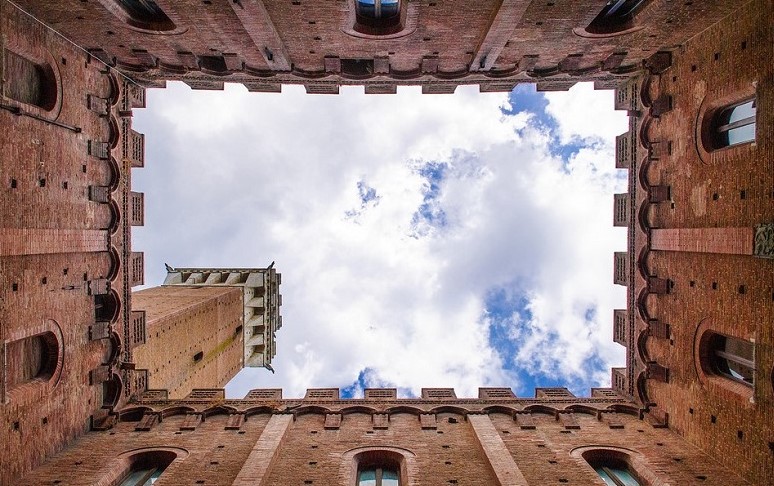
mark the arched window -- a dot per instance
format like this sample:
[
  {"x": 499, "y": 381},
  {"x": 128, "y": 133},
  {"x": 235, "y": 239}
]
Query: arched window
[
  {"x": 615, "y": 474},
  {"x": 616, "y": 16},
  {"x": 146, "y": 468},
  {"x": 32, "y": 359},
  {"x": 378, "y": 476},
  {"x": 613, "y": 466},
  {"x": 146, "y": 14},
  {"x": 734, "y": 124},
  {"x": 378, "y": 16},
  {"x": 379, "y": 468},
  {"x": 730, "y": 357},
  {"x": 31, "y": 83}
]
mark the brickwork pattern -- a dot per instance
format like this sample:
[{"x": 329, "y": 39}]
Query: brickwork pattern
[
  {"x": 736, "y": 241},
  {"x": 60, "y": 245},
  {"x": 35, "y": 241},
  {"x": 697, "y": 243},
  {"x": 184, "y": 321},
  {"x": 475, "y": 442},
  {"x": 265, "y": 44}
]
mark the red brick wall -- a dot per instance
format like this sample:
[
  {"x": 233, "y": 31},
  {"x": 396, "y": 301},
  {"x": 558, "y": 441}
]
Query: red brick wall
[
  {"x": 183, "y": 321},
  {"x": 736, "y": 241},
  {"x": 716, "y": 198},
  {"x": 303, "y": 450},
  {"x": 530, "y": 41},
  {"x": 57, "y": 246}
]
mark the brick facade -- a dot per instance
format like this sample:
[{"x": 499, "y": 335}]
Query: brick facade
[
  {"x": 282, "y": 442},
  {"x": 181, "y": 323},
  {"x": 693, "y": 270},
  {"x": 63, "y": 244},
  {"x": 698, "y": 260}
]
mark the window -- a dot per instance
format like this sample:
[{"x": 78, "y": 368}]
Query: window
[
  {"x": 146, "y": 468},
  {"x": 32, "y": 359},
  {"x": 30, "y": 83},
  {"x": 146, "y": 14},
  {"x": 734, "y": 125},
  {"x": 615, "y": 473},
  {"x": 616, "y": 16},
  {"x": 732, "y": 358},
  {"x": 142, "y": 476},
  {"x": 377, "y": 476},
  {"x": 616, "y": 466},
  {"x": 380, "y": 468},
  {"x": 378, "y": 9},
  {"x": 378, "y": 17}
]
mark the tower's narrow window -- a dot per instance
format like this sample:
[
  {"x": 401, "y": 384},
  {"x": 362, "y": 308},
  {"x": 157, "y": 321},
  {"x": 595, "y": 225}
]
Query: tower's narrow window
[
  {"x": 378, "y": 9},
  {"x": 734, "y": 125},
  {"x": 616, "y": 16},
  {"x": 28, "y": 82},
  {"x": 146, "y": 14}
]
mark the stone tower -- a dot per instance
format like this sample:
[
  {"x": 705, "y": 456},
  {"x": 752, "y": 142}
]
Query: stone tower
[{"x": 204, "y": 325}]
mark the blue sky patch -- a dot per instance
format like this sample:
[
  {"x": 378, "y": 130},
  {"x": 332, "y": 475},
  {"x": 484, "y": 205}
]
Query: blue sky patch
[
  {"x": 430, "y": 213},
  {"x": 508, "y": 311},
  {"x": 368, "y": 197}
]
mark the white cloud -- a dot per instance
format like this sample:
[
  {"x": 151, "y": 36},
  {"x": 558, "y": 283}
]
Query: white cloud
[
  {"x": 583, "y": 112},
  {"x": 235, "y": 178}
]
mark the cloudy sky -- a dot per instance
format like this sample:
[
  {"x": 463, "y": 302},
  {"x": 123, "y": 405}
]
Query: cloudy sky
[{"x": 458, "y": 240}]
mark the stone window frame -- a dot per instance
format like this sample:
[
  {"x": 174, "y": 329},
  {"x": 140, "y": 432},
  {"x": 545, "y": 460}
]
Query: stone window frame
[
  {"x": 716, "y": 102},
  {"x": 716, "y": 361},
  {"x": 47, "y": 89},
  {"x": 42, "y": 58},
  {"x": 717, "y": 126}
]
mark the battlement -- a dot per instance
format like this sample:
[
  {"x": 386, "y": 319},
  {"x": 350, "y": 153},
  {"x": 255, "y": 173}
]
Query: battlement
[
  {"x": 558, "y": 395},
  {"x": 261, "y": 299}
]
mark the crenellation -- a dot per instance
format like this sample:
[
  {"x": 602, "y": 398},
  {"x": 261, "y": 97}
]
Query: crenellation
[{"x": 96, "y": 379}]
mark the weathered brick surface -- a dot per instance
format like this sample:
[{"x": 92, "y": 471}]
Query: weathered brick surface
[
  {"x": 477, "y": 442},
  {"x": 65, "y": 226},
  {"x": 35, "y": 241},
  {"x": 273, "y": 42},
  {"x": 736, "y": 241},
  {"x": 183, "y": 321},
  {"x": 60, "y": 244},
  {"x": 210, "y": 453},
  {"x": 716, "y": 199}
]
